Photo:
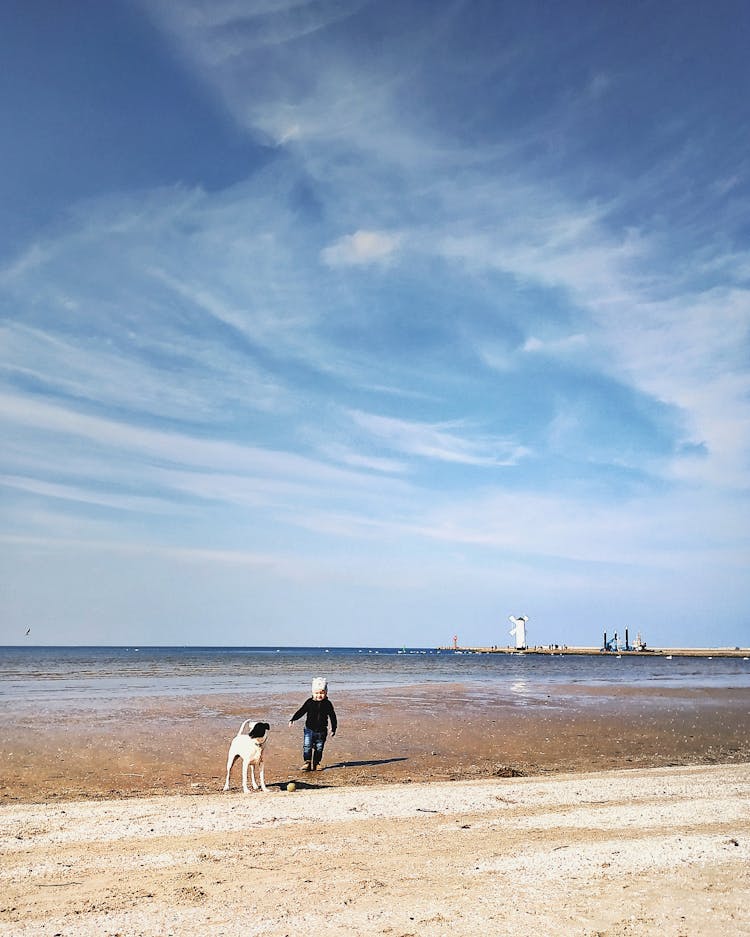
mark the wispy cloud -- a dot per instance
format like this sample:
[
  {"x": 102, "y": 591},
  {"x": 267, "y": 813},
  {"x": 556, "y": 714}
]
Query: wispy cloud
[
  {"x": 87, "y": 495},
  {"x": 168, "y": 447},
  {"x": 439, "y": 441},
  {"x": 362, "y": 247},
  {"x": 570, "y": 344},
  {"x": 172, "y": 465},
  {"x": 230, "y": 28},
  {"x": 92, "y": 369},
  {"x": 346, "y": 455}
]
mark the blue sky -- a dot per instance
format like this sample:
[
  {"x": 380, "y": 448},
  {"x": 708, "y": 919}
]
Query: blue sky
[{"x": 345, "y": 322}]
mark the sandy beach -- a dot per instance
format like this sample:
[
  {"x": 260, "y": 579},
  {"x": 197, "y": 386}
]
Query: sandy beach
[
  {"x": 645, "y": 851},
  {"x": 591, "y": 811},
  {"x": 587, "y": 813}
]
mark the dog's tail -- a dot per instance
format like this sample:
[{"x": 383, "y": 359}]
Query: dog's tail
[{"x": 247, "y": 722}]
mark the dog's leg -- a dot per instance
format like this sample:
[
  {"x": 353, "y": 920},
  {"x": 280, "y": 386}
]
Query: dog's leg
[
  {"x": 262, "y": 772},
  {"x": 244, "y": 776},
  {"x": 230, "y": 762},
  {"x": 252, "y": 775}
]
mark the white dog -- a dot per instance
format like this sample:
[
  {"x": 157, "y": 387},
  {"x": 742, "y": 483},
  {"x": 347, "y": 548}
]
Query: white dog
[{"x": 250, "y": 748}]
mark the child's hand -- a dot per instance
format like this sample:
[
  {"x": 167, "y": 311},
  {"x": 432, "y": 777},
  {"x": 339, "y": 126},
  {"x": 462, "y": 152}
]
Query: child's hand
[{"x": 290, "y": 723}]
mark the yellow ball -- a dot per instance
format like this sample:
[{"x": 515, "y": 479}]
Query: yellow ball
[{"x": 291, "y": 786}]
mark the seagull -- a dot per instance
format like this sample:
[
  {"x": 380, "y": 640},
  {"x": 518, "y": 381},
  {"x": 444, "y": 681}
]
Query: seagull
[{"x": 28, "y": 631}]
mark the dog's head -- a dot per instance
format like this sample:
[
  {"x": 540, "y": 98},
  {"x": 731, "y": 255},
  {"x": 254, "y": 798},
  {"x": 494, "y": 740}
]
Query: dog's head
[{"x": 259, "y": 730}]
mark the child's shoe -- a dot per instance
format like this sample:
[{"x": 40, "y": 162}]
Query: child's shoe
[{"x": 306, "y": 766}]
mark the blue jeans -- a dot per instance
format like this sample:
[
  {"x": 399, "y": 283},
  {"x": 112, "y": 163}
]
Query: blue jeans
[{"x": 312, "y": 746}]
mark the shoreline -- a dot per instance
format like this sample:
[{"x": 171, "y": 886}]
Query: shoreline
[{"x": 643, "y": 851}]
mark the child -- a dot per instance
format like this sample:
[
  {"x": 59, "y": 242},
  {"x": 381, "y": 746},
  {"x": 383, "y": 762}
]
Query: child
[{"x": 319, "y": 710}]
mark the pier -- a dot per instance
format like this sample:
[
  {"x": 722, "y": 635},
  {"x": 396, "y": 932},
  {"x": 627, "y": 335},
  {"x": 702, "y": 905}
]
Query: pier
[{"x": 553, "y": 651}]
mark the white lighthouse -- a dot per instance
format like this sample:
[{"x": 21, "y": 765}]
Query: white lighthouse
[{"x": 519, "y": 630}]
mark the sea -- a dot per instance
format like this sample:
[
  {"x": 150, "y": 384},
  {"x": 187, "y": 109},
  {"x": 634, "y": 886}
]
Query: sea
[{"x": 48, "y": 677}]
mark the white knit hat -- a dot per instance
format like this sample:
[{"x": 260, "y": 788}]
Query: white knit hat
[{"x": 319, "y": 683}]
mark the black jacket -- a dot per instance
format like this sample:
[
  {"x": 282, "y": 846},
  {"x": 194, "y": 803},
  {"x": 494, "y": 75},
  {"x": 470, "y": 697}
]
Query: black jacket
[{"x": 319, "y": 711}]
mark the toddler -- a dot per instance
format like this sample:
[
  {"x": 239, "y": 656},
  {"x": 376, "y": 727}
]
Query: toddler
[{"x": 319, "y": 709}]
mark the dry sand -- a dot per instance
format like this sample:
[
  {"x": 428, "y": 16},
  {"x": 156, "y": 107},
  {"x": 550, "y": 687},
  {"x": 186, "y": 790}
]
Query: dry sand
[{"x": 646, "y": 851}]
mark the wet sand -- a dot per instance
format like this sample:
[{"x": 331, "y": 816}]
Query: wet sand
[{"x": 421, "y": 733}]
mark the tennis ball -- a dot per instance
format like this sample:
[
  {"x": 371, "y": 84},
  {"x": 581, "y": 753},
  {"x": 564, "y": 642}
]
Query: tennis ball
[{"x": 291, "y": 786}]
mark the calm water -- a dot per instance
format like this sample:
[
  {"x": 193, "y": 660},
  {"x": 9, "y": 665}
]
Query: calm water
[{"x": 92, "y": 674}]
